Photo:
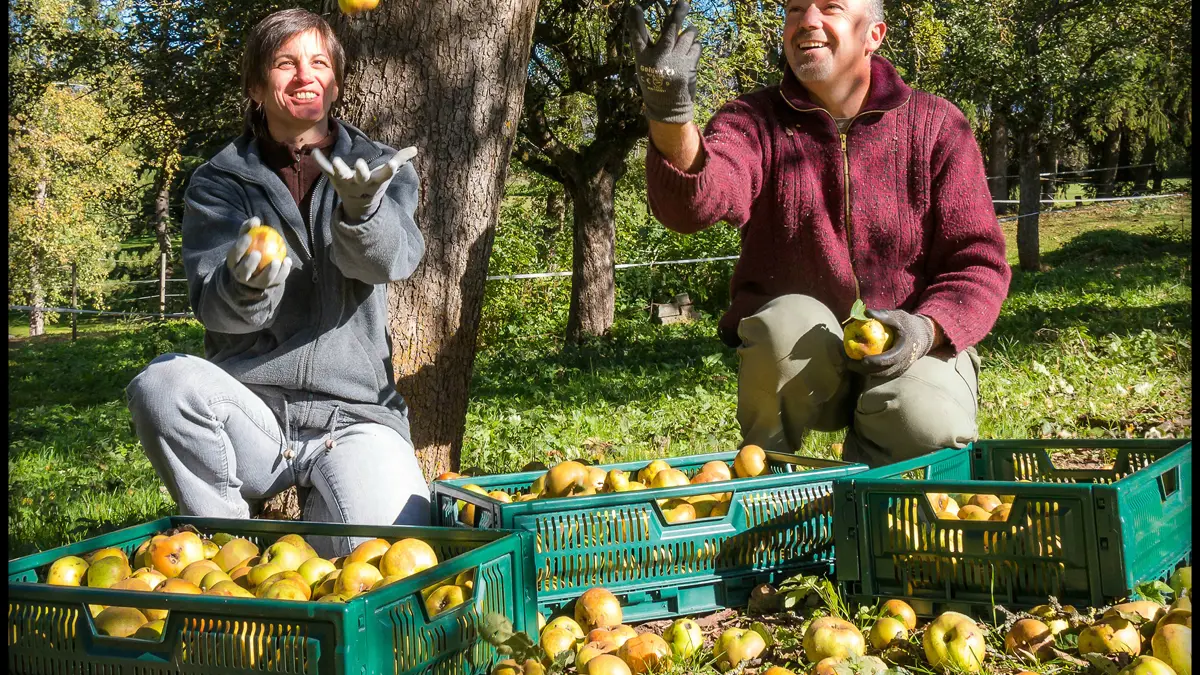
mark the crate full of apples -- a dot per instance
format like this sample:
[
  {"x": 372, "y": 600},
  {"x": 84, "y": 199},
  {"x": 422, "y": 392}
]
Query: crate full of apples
[
  {"x": 999, "y": 522},
  {"x": 185, "y": 594},
  {"x": 668, "y": 537}
]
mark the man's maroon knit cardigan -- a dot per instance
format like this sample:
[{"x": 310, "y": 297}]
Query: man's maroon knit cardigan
[{"x": 905, "y": 184}]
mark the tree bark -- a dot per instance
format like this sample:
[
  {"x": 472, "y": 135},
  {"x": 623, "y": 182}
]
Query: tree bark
[
  {"x": 997, "y": 151},
  {"x": 162, "y": 223},
  {"x": 446, "y": 76},
  {"x": 1048, "y": 164},
  {"x": 593, "y": 287},
  {"x": 1106, "y": 179},
  {"x": 1141, "y": 175},
  {"x": 1028, "y": 249},
  {"x": 37, "y": 295},
  {"x": 37, "y": 299},
  {"x": 556, "y": 207}
]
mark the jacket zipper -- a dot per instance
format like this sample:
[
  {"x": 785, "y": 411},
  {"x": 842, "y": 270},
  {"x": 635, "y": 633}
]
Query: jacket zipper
[
  {"x": 846, "y": 178},
  {"x": 846, "y": 201},
  {"x": 312, "y": 241}
]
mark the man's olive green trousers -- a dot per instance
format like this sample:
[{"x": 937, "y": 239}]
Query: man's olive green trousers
[{"x": 793, "y": 379}]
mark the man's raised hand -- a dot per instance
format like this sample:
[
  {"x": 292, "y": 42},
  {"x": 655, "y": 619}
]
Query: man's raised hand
[{"x": 666, "y": 68}]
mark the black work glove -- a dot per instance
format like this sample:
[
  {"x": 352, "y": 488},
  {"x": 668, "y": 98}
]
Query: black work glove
[
  {"x": 666, "y": 69},
  {"x": 913, "y": 338}
]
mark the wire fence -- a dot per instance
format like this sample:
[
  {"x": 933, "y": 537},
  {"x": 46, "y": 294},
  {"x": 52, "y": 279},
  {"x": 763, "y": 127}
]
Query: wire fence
[{"x": 533, "y": 275}]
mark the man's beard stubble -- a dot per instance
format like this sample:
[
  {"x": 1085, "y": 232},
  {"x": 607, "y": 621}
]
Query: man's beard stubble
[{"x": 813, "y": 71}]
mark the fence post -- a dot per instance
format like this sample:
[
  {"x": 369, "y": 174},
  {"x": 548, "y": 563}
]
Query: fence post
[
  {"x": 162, "y": 286},
  {"x": 74, "y": 302}
]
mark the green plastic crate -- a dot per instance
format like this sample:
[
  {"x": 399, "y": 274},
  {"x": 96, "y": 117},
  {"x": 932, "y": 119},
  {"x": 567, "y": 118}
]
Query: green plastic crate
[
  {"x": 1084, "y": 536},
  {"x": 779, "y": 524},
  {"x": 384, "y": 631}
]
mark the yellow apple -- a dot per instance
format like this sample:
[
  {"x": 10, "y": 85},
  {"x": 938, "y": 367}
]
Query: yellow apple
[
  {"x": 646, "y": 474},
  {"x": 885, "y": 630},
  {"x": 750, "y": 461},
  {"x": 736, "y": 645},
  {"x": 268, "y": 242},
  {"x": 407, "y": 557},
  {"x": 953, "y": 642},
  {"x": 866, "y": 338},
  {"x": 597, "y": 608},
  {"x": 67, "y": 571},
  {"x": 1172, "y": 644},
  {"x": 1030, "y": 639},
  {"x": 685, "y": 638},
  {"x": 351, "y": 7},
  {"x": 830, "y": 636}
]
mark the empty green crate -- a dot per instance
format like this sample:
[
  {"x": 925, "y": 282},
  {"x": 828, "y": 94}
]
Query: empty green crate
[
  {"x": 1085, "y": 536},
  {"x": 779, "y": 524},
  {"x": 385, "y": 631}
]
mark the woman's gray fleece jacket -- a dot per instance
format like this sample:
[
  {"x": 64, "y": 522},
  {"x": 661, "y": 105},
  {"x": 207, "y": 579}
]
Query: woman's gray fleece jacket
[{"x": 316, "y": 347}]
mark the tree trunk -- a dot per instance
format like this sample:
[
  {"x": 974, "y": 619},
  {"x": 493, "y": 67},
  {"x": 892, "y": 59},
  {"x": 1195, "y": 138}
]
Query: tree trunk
[
  {"x": 1106, "y": 180},
  {"x": 1028, "y": 251},
  {"x": 1048, "y": 166},
  {"x": 1141, "y": 175},
  {"x": 448, "y": 77},
  {"x": 593, "y": 288},
  {"x": 37, "y": 295},
  {"x": 37, "y": 300},
  {"x": 997, "y": 152},
  {"x": 556, "y": 207},
  {"x": 162, "y": 222}
]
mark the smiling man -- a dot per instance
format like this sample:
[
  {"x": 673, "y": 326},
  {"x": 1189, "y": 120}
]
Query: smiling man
[
  {"x": 297, "y": 387},
  {"x": 845, "y": 184}
]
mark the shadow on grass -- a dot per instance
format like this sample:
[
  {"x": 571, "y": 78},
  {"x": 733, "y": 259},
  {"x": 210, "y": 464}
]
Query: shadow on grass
[
  {"x": 92, "y": 370},
  {"x": 640, "y": 364},
  {"x": 1088, "y": 282}
]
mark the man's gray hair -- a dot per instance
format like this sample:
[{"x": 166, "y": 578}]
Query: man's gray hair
[{"x": 875, "y": 10}]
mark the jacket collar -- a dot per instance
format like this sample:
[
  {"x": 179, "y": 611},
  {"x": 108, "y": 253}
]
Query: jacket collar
[
  {"x": 244, "y": 156},
  {"x": 887, "y": 91},
  {"x": 244, "y": 159}
]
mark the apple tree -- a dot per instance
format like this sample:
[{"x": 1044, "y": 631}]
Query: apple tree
[{"x": 446, "y": 76}]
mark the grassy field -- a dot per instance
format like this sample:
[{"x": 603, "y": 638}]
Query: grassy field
[{"x": 1098, "y": 344}]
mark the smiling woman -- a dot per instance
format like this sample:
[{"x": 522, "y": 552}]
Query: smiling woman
[
  {"x": 292, "y": 74},
  {"x": 298, "y": 357}
]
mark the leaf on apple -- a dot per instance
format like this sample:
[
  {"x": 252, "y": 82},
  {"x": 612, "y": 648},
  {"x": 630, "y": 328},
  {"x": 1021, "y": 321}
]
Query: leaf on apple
[
  {"x": 761, "y": 628},
  {"x": 1155, "y": 591},
  {"x": 1066, "y": 641},
  {"x": 1132, "y": 617},
  {"x": 858, "y": 310},
  {"x": 562, "y": 660},
  {"x": 496, "y": 629},
  {"x": 1101, "y": 664}
]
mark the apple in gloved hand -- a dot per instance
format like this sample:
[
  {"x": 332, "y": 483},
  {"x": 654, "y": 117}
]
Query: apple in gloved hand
[{"x": 863, "y": 336}]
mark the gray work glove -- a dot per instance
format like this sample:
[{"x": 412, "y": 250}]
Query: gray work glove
[
  {"x": 360, "y": 188},
  {"x": 242, "y": 264},
  {"x": 666, "y": 70},
  {"x": 913, "y": 339}
]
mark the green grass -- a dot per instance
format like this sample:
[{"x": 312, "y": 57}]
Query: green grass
[{"x": 1097, "y": 345}]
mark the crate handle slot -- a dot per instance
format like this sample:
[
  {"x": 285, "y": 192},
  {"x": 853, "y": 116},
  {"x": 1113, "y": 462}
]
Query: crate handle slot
[
  {"x": 1168, "y": 483},
  {"x": 470, "y": 574}
]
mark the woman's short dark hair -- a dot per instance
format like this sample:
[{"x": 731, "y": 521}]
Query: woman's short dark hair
[{"x": 265, "y": 39}]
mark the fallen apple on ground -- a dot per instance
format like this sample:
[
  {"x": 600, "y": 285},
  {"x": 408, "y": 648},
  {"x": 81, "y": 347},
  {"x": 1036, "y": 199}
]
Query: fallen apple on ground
[
  {"x": 954, "y": 642},
  {"x": 736, "y": 645},
  {"x": 830, "y": 636}
]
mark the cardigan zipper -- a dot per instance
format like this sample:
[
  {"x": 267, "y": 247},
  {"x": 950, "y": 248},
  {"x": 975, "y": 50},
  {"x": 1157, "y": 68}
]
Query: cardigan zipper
[
  {"x": 846, "y": 178},
  {"x": 846, "y": 202}
]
